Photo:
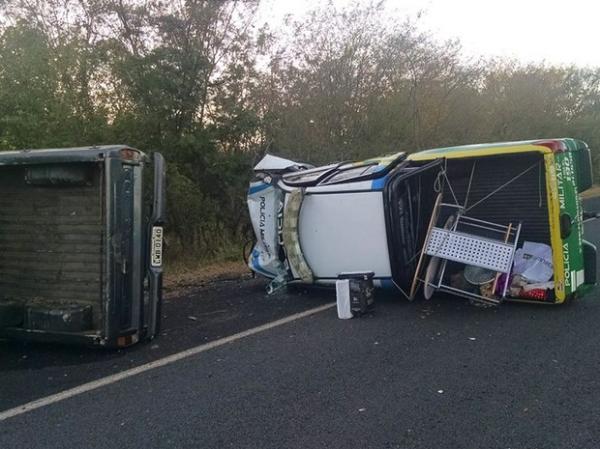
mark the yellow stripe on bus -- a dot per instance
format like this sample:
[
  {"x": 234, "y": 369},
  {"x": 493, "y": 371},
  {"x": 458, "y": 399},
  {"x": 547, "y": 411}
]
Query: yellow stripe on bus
[
  {"x": 477, "y": 152},
  {"x": 553, "y": 216}
]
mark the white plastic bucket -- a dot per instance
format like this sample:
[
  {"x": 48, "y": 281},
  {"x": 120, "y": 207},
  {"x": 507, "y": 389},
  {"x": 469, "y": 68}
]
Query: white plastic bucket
[{"x": 342, "y": 289}]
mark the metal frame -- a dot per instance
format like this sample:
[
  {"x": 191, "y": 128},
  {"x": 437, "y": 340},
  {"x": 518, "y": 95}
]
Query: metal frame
[{"x": 510, "y": 234}]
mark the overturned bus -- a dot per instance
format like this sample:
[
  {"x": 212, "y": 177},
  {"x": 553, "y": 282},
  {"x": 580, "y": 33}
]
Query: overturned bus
[
  {"x": 81, "y": 234},
  {"x": 491, "y": 223}
]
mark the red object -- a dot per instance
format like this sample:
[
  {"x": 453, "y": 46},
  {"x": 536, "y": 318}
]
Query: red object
[
  {"x": 538, "y": 294},
  {"x": 557, "y": 146}
]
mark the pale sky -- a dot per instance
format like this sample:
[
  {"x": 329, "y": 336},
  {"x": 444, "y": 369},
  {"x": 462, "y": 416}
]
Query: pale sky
[{"x": 558, "y": 32}]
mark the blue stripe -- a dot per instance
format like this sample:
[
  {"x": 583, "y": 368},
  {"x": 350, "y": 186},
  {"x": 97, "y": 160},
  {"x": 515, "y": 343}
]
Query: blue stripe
[
  {"x": 379, "y": 183},
  {"x": 256, "y": 265},
  {"x": 257, "y": 188}
]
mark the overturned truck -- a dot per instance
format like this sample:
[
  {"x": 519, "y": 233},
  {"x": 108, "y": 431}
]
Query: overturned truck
[
  {"x": 81, "y": 244},
  {"x": 491, "y": 223}
]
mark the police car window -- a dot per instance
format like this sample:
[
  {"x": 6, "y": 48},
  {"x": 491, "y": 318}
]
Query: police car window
[
  {"x": 352, "y": 173},
  {"x": 308, "y": 176}
]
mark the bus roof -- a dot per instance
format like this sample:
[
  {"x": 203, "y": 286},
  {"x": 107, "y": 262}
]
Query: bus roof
[{"x": 490, "y": 149}]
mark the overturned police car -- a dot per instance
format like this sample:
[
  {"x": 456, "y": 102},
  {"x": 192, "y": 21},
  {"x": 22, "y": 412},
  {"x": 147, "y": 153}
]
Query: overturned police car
[{"x": 490, "y": 222}]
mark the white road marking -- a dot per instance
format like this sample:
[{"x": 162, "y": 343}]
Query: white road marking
[{"x": 84, "y": 388}]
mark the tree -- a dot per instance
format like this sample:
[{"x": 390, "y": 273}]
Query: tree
[{"x": 200, "y": 81}]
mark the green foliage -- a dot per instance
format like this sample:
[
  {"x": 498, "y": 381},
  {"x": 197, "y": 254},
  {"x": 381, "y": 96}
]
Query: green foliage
[{"x": 201, "y": 83}]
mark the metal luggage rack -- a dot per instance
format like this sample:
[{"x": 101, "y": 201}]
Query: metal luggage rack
[{"x": 486, "y": 245}]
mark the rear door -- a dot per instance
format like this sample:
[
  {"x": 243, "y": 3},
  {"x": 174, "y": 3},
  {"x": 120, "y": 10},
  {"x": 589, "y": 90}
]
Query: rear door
[{"x": 411, "y": 197}]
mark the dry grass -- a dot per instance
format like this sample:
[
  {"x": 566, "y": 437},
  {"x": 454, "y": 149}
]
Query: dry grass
[{"x": 202, "y": 273}]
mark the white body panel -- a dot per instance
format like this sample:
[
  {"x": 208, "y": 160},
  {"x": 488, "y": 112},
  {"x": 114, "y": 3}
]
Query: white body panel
[
  {"x": 263, "y": 203},
  {"x": 344, "y": 232},
  {"x": 270, "y": 162}
]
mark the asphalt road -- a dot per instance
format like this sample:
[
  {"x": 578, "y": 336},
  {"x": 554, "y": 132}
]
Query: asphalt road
[
  {"x": 191, "y": 316},
  {"x": 431, "y": 374}
]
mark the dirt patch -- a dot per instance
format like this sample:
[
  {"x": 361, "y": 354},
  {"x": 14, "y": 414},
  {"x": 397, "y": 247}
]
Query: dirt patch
[{"x": 184, "y": 279}]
